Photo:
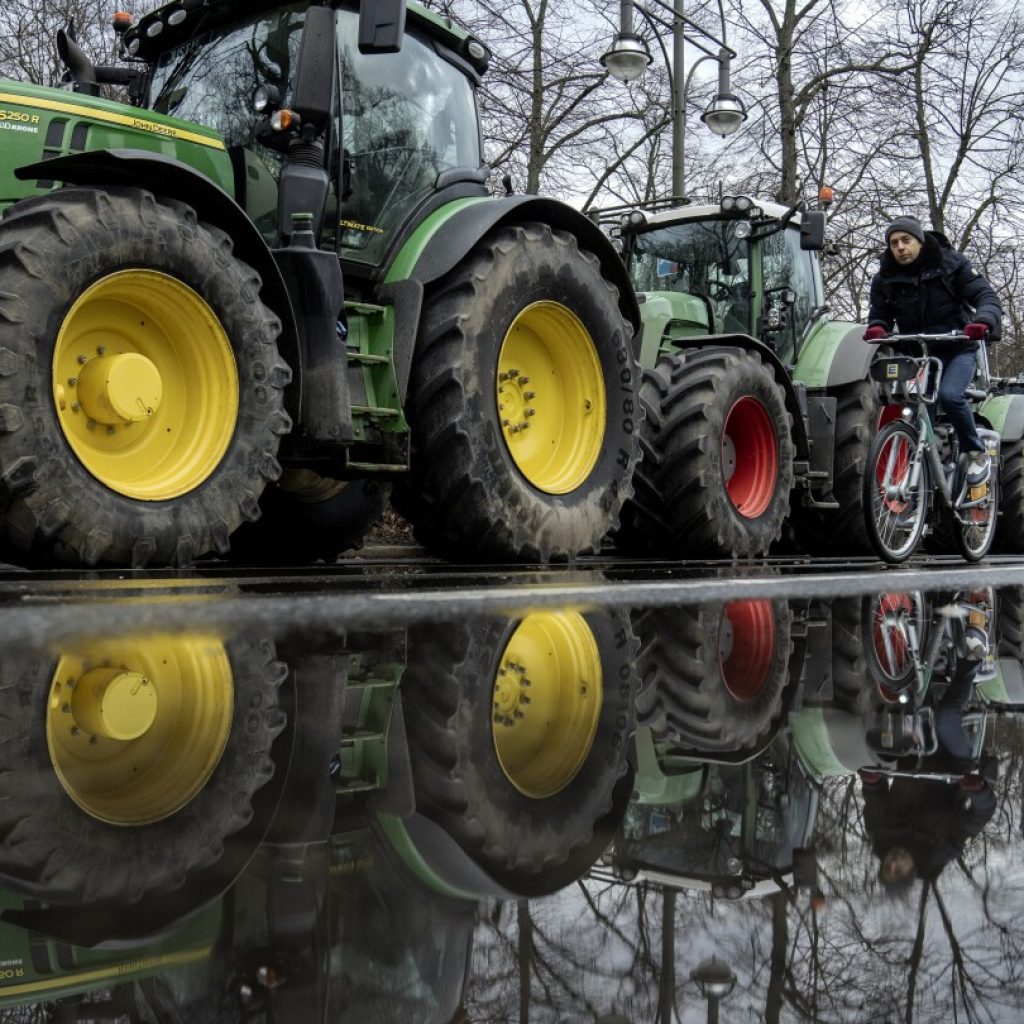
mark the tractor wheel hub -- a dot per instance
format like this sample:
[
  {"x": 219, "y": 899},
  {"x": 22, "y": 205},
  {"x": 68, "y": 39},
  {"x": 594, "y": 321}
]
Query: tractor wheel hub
[{"x": 120, "y": 389}]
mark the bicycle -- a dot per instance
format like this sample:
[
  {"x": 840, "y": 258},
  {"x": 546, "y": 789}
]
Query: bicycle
[{"x": 905, "y": 471}]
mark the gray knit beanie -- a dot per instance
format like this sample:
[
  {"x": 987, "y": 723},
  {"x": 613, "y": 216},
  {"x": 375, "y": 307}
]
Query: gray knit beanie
[{"x": 911, "y": 225}]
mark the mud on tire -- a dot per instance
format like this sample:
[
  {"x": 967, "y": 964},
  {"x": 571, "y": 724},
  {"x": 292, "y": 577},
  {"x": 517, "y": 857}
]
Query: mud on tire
[
  {"x": 526, "y": 322},
  {"x": 683, "y": 503},
  {"x": 506, "y": 805},
  {"x": 54, "y": 248}
]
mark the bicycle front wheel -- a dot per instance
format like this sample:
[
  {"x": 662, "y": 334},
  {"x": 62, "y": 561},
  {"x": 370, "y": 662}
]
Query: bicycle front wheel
[
  {"x": 975, "y": 518},
  {"x": 895, "y": 509}
]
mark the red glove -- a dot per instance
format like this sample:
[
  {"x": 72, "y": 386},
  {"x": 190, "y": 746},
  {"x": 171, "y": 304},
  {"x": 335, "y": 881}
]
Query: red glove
[
  {"x": 869, "y": 777},
  {"x": 876, "y": 333},
  {"x": 972, "y": 783},
  {"x": 976, "y": 331}
]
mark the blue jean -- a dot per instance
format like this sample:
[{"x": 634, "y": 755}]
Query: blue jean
[{"x": 957, "y": 373}]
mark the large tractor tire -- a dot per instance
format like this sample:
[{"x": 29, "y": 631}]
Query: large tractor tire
[
  {"x": 717, "y": 466},
  {"x": 852, "y": 691},
  {"x": 713, "y": 679},
  {"x": 306, "y": 517},
  {"x": 1010, "y": 532},
  {"x": 819, "y": 531},
  {"x": 127, "y": 764},
  {"x": 519, "y": 734},
  {"x": 522, "y": 403},
  {"x": 141, "y": 390}
]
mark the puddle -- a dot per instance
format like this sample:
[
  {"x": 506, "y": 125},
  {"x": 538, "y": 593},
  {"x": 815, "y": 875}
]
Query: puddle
[{"x": 416, "y": 793}]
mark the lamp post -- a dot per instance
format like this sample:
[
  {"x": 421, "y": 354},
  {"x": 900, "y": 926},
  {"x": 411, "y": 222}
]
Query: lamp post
[
  {"x": 628, "y": 58},
  {"x": 715, "y": 980}
]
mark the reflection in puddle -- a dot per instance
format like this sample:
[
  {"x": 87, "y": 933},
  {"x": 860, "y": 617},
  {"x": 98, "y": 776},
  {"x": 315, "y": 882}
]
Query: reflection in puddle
[{"x": 802, "y": 809}]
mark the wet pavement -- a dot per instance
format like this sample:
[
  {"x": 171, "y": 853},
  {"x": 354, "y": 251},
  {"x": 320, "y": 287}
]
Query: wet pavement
[{"x": 396, "y": 790}]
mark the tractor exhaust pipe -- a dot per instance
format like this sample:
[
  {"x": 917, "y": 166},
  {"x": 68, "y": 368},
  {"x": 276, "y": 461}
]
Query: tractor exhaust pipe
[{"x": 80, "y": 71}]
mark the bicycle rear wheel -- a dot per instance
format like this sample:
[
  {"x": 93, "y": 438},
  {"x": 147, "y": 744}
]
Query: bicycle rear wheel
[
  {"x": 895, "y": 511},
  {"x": 975, "y": 525}
]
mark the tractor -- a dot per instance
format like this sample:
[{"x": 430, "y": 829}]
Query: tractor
[
  {"x": 239, "y": 308},
  {"x": 759, "y": 408}
]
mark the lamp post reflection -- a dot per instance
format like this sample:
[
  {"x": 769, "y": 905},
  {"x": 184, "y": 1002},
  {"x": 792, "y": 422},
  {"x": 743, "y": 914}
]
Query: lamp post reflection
[{"x": 715, "y": 979}]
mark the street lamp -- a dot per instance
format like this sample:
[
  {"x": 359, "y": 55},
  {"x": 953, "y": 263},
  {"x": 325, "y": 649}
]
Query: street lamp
[
  {"x": 715, "y": 980},
  {"x": 628, "y": 58}
]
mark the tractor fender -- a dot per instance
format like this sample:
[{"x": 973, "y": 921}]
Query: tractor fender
[
  {"x": 446, "y": 246},
  {"x": 795, "y": 405},
  {"x": 170, "y": 178},
  {"x": 448, "y": 235},
  {"x": 1005, "y": 415},
  {"x": 852, "y": 358},
  {"x": 834, "y": 354}
]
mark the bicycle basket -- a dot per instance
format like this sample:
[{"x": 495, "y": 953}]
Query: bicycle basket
[
  {"x": 895, "y": 369},
  {"x": 904, "y": 376}
]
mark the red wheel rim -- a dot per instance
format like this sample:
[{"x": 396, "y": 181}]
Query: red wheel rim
[
  {"x": 897, "y": 448},
  {"x": 755, "y": 449},
  {"x": 892, "y": 651},
  {"x": 746, "y": 647}
]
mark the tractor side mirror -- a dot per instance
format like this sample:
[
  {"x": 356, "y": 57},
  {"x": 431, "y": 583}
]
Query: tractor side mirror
[
  {"x": 812, "y": 230},
  {"x": 381, "y": 26},
  {"x": 314, "y": 76}
]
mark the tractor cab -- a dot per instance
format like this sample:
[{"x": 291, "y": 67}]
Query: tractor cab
[
  {"x": 402, "y": 128},
  {"x": 729, "y": 268}
]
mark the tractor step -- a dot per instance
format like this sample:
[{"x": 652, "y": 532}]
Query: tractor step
[
  {"x": 375, "y": 411},
  {"x": 363, "y": 359},
  {"x": 366, "y": 308}
]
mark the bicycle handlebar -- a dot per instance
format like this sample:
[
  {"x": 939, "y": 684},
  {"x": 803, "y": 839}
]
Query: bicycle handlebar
[{"x": 921, "y": 339}]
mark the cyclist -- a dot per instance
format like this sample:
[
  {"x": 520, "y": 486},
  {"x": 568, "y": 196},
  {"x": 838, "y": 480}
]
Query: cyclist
[{"x": 924, "y": 286}]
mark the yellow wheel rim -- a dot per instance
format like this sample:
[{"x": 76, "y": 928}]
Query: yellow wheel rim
[
  {"x": 135, "y": 729},
  {"x": 546, "y": 702},
  {"x": 551, "y": 397},
  {"x": 145, "y": 384}
]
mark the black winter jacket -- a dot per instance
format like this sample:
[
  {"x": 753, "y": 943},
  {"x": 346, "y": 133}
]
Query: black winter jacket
[{"x": 939, "y": 292}]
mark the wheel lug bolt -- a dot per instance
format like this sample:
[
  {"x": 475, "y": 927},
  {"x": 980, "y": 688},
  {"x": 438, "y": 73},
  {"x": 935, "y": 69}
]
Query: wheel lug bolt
[
  {"x": 530, "y": 412},
  {"x": 72, "y": 381},
  {"x": 111, "y": 430},
  {"x": 506, "y": 423},
  {"x": 101, "y": 350},
  {"x": 82, "y": 360},
  {"x": 75, "y": 406},
  {"x": 524, "y": 380},
  {"x": 529, "y": 395}
]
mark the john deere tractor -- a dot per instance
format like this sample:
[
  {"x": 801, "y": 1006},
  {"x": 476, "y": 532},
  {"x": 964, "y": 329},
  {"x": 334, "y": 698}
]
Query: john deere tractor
[
  {"x": 274, "y": 282},
  {"x": 759, "y": 407}
]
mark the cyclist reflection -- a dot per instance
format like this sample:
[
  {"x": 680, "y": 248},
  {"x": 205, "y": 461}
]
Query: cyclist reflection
[{"x": 919, "y": 822}]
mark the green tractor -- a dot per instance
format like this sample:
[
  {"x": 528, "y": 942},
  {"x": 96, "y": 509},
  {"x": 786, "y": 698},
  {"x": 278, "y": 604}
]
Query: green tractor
[
  {"x": 759, "y": 407},
  {"x": 275, "y": 284}
]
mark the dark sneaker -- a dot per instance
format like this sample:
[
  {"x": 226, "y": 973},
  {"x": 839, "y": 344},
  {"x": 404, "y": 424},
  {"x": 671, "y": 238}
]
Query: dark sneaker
[{"x": 979, "y": 467}]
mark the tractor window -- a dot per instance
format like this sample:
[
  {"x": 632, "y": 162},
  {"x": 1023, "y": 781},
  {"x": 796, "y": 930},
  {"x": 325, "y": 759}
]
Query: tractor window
[
  {"x": 211, "y": 81},
  {"x": 786, "y": 265},
  {"x": 700, "y": 257},
  {"x": 407, "y": 117},
  {"x": 212, "y": 78}
]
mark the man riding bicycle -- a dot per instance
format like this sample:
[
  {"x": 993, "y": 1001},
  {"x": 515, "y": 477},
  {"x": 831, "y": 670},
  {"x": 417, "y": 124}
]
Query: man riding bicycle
[{"x": 924, "y": 286}]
